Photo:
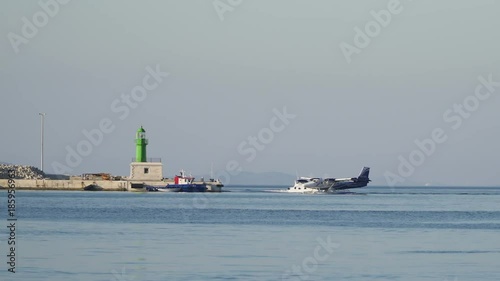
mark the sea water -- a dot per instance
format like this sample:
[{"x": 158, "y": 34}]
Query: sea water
[{"x": 373, "y": 233}]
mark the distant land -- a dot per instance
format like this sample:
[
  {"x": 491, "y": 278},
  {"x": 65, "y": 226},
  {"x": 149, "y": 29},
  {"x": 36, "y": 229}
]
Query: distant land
[
  {"x": 284, "y": 179},
  {"x": 266, "y": 178},
  {"x": 279, "y": 178}
]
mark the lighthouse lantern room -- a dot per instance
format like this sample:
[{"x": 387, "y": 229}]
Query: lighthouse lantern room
[{"x": 140, "y": 145}]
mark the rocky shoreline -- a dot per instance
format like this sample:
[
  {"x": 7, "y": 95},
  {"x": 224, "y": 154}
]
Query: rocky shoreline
[{"x": 21, "y": 172}]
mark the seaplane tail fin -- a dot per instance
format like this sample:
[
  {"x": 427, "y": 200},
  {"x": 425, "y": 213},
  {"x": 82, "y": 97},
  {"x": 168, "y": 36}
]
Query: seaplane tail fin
[{"x": 363, "y": 176}]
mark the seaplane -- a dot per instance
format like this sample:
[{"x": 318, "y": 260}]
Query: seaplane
[{"x": 316, "y": 185}]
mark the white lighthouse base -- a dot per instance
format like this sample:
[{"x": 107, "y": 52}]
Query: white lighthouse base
[{"x": 146, "y": 171}]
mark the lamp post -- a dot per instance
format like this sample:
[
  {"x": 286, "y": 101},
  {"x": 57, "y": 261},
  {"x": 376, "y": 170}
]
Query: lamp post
[{"x": 42, "y": 115}]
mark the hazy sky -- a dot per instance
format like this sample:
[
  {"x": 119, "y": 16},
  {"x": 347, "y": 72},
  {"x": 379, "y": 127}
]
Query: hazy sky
[{"x": 230, "y": 71}]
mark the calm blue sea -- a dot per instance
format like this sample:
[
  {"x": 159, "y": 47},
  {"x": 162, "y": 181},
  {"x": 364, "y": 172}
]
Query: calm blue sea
[{"x": 374, "y": 233}]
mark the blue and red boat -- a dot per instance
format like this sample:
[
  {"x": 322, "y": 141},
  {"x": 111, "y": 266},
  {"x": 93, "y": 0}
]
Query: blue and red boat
[{"x": 181, "y": 183}]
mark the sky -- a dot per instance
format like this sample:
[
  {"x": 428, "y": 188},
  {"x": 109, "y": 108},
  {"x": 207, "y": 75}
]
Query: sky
[{"x": 313, "y": 88}]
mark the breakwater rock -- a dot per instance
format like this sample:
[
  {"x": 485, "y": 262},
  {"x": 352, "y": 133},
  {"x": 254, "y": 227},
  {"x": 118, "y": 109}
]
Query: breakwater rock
[{"x": 22, "y": 172}]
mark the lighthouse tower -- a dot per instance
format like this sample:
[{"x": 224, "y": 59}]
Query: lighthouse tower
[
  {"x": 140, "y": 145},
  {"x": 142, "y": 169}
]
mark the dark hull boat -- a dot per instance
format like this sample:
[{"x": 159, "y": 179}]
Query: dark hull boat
[{"x": 93, "y": 187}]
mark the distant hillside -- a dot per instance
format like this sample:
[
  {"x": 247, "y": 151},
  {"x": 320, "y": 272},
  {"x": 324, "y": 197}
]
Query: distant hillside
[
  {"x": 381, "y": 181},
  {"x": 277, "y": 178},
  {"x": 267, "y": 178}
]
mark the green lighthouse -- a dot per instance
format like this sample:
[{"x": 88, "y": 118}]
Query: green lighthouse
[{"x": 140, "y": 145}]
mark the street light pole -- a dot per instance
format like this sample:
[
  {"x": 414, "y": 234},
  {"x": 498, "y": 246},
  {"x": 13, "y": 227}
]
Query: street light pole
[{"x": 42, "y": 115}]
